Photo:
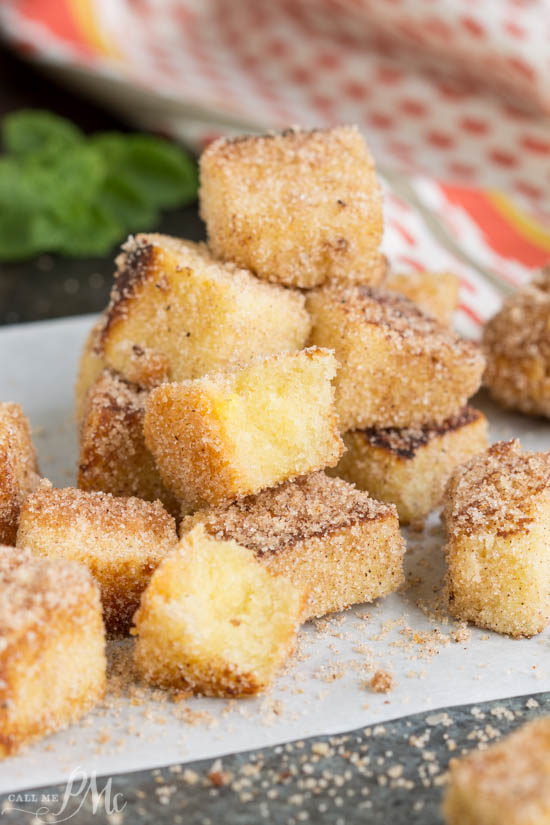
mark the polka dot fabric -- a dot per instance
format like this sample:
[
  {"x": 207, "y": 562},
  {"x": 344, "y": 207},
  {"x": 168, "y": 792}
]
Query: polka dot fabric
[{"x": 457, "y": 92}]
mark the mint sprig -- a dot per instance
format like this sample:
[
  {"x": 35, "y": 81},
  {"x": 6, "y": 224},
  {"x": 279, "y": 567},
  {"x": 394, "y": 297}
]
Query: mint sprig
[{"x": 61, "y": 191}]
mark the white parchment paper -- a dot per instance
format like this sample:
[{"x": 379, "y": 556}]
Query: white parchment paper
[{"x": 324, "y": 689}]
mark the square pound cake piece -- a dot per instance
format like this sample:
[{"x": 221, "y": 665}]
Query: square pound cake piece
[
  {"x": 497, "y": 514},
  {"x": 120, "y": 540},
  {"x": 298, "y": 208},
  {"x": 435, "y": 293},
  {"x": 506, "y": 784},
  {"x": 410, "y": 467},
  {"x": 176, "y": 313},
  {"x": 52, "y": 646},
  {"x": 319, "y": 532},
  {"x": 18, "y": 468},
  {"x": 113, "y": 455},
  {"x": 214, "y": 620},
  {"x": 227, "y": 435},
  {"x": 398, "y": 367}
]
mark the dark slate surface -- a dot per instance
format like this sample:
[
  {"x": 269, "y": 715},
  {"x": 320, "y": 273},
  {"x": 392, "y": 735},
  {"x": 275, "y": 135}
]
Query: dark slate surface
[{"x": 387, "y": 774}]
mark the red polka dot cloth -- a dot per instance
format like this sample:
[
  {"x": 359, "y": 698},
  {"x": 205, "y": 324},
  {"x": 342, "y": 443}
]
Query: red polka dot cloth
[{"x": 453, "y": 97}]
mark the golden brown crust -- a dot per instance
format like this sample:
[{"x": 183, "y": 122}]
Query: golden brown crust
[
  {"x": 18, "y": 468},
  {"x": 296, "y": 208},
  {"x": 516, "y": 342},
  {"x": 52, "y": 646},
  {"x": 113, "y": 455},
  {"x": 176, "y": 313},
  {"x": 90, "y": 365},
  {"x": 121, "y": 540},
  {"x": 398, "y": 367},
  {"x": 506, "y": 784},
  {"x": 494, "y": 491}
]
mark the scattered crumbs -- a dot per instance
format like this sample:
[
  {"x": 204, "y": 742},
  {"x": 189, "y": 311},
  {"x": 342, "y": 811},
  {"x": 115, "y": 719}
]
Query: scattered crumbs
[{"x": 382, "y": 682}]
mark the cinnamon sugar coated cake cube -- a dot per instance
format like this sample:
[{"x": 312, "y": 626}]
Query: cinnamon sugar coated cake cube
[
  {"x": 90, "y": 365},
  {"x": 410, "y": 467},
  {"x": 227, "y": 435},
  {"x": 435, "y": 293},
  {"x": 398, "y": 367},
  {"x": 516, "y": 342},
  {"x": 298, "y": 208},
  {"x": 497, "y": 515},
  {"x": 505, "y": 784},
  {"x": 319, "y": 532},
  {"x": 52, "y": 646},
  {"x": 215, "y": 621},
  {"x": 18, "y": 468},
  {"x": 113, "y": 456},
  {"x": 176, "y": 313},
  {"x": 120, "y": 540}
]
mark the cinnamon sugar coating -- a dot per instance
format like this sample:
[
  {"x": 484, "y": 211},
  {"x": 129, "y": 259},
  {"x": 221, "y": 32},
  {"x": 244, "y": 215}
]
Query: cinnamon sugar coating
[
  {"x": 398, "y": 367},
  {"x": 120, "y": 540},
  {"x": 215, "y": 621},
  {"x": 435, "y": 293},
  {"x": 52, "y": 646},
  {"x": 497, "y": 515},
  {"x": 113, "y": 456},
  {"x": 410, "y": 467},
  {"x": 297, "y": 208},
  {"x": 506, "y": 784},
  {"x": 176, "y": 313},
  {"x": 516, "y": 342},
  {"x": 18, "y": 468},
  {"x": 319, "y": 532},
  {"x": 227, "y": 435}
]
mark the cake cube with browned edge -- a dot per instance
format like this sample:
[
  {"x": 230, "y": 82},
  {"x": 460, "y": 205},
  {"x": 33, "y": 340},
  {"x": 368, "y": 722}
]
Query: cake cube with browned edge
[
  {"x": 398, "y": 367},
  {"x": 52, "y": 646},
  {"x": 497, "y": 514},
  {"x": 297, "y": 208},
  {"x": 516, "y": 342},
  {"x": 113, "y": 455},
  {"x": 227, "y": 435},
  {"x": 90, "y": 365},
  {"x": 435, "y": 293},
  {"x": 18, "y": 468},
  {"x": 176, "y": 313},
  {"x": 410, "y": 467},
  {"x": 215, "y": 621},
  {"x": 120, "y": 540},
  {"x": 319, "y": 532},
  {"x": 505, "y": 784}
]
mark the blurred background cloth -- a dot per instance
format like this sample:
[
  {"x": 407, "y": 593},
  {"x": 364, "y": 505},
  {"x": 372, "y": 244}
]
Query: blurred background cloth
[{"x": 453, "y": 97}]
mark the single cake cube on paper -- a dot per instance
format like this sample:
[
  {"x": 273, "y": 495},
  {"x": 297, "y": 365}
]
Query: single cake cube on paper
[
  {"x": 516, "y": 342},
  {"x": 505, "y": 784},
  {"x": 214, "y": 620},
  {"x": 90, "y": 365},
  {"x": 113, "y": 455},
  {"x": 398, "y": 367},
  {"x": 497, "y": 514},
  {"x": 319, "y": 532},
  {"x": 120, "y": 540},
  {"x": 435, "y": 293},
  {"x": 176, "y": 313},
  {"x": 410, "y": 467},
  {"x": 298, "y": 208},
  {"x": 227, "y": 435},
  {"x": 52, "y": 646},
  {"x": 18, "y": 468}
]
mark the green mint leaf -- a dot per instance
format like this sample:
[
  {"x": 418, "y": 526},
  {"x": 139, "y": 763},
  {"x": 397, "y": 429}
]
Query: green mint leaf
[
  {"x": 126, "y": 205},
  {"x": 92, "y": 231},
  {"x": 33, "y": 130},
  {"x": 160, "y": 171}
]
